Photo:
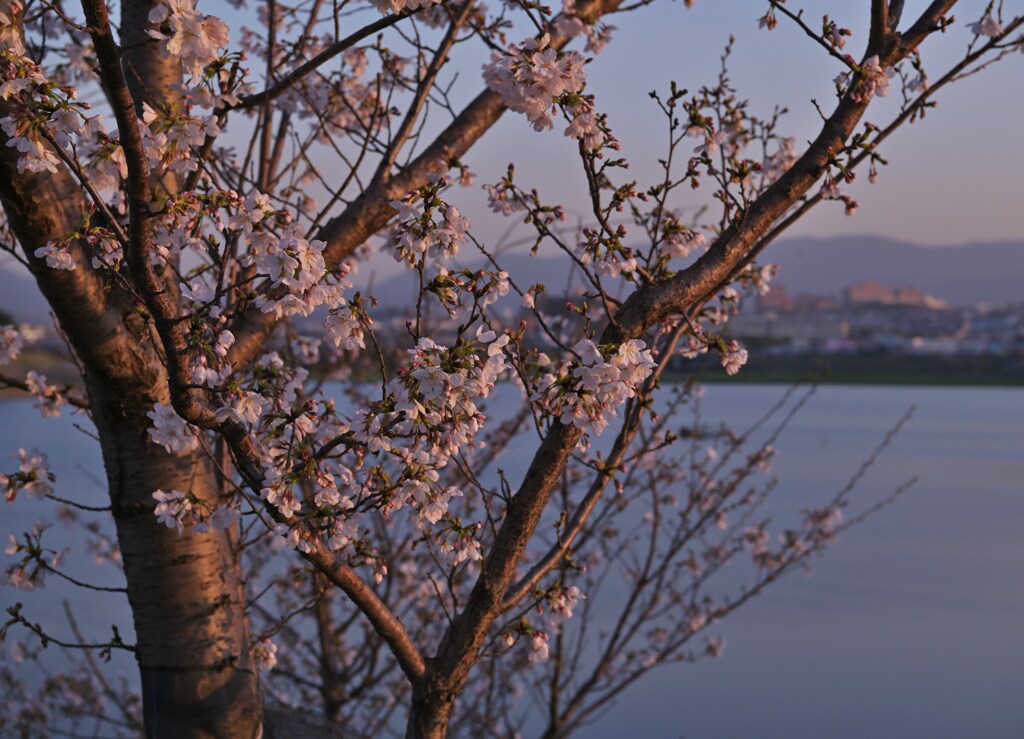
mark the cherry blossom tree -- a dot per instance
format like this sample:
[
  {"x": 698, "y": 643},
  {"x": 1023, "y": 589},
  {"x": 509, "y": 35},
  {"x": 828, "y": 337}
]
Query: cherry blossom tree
[{"x": 310, "y": 503}]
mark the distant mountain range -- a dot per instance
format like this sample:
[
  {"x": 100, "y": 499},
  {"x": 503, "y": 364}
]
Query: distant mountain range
[
  {"x": 966, "y": 274},
  {"x": 963, "y": 275}
]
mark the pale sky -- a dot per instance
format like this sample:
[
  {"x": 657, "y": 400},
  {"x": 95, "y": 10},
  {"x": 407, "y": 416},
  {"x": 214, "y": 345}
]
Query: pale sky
[{"x": 953, "y": 177}]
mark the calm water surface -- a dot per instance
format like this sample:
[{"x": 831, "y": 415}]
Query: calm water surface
[{"x": 911, "y": 626}]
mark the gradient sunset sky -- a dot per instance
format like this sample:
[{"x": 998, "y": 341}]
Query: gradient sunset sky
[{"x": 954, "y": 177}]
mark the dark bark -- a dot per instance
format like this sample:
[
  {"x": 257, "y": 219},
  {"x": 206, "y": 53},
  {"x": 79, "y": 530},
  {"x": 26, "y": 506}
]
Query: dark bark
[{"x": 430, "y": 712}]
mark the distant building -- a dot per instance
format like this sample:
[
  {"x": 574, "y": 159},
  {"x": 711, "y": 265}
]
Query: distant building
[
  {"x": 875, "y": 293},
  {"x": 777, "y": 299},
  {"x": 807, "y": 303},
  {"x": 772, "y": 328}
]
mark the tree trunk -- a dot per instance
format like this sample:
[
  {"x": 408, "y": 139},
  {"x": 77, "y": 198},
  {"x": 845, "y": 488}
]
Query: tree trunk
[
  {"x": 185, "y": 590},
  {"x": 430, "y": 712}
]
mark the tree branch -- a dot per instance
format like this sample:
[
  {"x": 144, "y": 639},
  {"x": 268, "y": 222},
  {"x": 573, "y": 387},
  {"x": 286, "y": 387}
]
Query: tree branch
[
  {"x": 879, "y": 25},
  {"x": 300, "y": 72},
  {"x": 370, "y": 211}
]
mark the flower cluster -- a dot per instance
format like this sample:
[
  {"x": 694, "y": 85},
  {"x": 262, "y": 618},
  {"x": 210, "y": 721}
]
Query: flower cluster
[
  {"x": 172, "y": 135},
  {"x": 587, "y": 125},
  {"x": 49, "y": 399},
  {"x": 171, "y": 431},
  {"x": 347, "y": 97},
  {"x": 36, "y": 561},
  {"x": 11, "y": 342},
  {"x": 873, "y": 80},
  {"x": 429, "y": 415},
  {"x": 757, "y": 279},
  {"x": 460, "y": 544},
  {"x": 49, "y": 114},
  {"x": 433, "y": 399},
  {"x": 589, "y": 392},
  {"x": 10, "y": 35},
  {"x": 779, "y": 162},
  {"x": 289, "y": 461},
  {"x": 504, "y": 199},
  {"x": 343, "y": 327},
  {"x": 834, "y": 34},
  {"x": 427, "y": 226},
  {"x": 533, "y": 77},
  {"x": 570, "y": 24},
  {"x": 606, "y": 253},
  {"x": 455, "y": 289},
  {"x": 33, "y": 476},
  {"x": 264, "y": 655},
  {"x": 986, "y": 26},
  {"x": 297, "y": 266},
  {"x": 207, "y": 338},
  {"x": 187, "y": 34},
  {"x": 733, "y": 357},
  {"x": 177, "y": 509},
  {"x": 562, "y": 601},
  {"x": 678, "y": 240},
  {"x": 539, "y": 650},
  {"x": 275, "y": 246}
]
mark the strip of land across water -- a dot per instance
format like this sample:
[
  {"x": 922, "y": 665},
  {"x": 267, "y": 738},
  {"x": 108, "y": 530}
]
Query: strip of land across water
[
  {"x": 762, "y": 368},
  {"x": 866, "y": 369}
]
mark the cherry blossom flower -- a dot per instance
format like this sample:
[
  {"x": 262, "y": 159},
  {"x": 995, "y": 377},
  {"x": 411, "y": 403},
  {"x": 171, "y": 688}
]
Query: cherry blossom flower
[
  {"x": 187, "y": 34},
  {"x": 539, "y": 647},
  {"x": 503, "y": 198},
  {"x": 569, "y": 24},
  {"x": 768, "y": 21},
  {"x": 835, "y": 34},
  {"x": 11, "y": 342},
  {"x": 918, "y": 84},
  {"x": 875, "y": 79},
  {"x": 10, "y": 36},
  {"x": 733, "y": 358},
  {"x": 563, "y": 601},
  {"x": 173, "y": 509},
  {"x": 780, "y": 161},
  {"x": 33, "y": 476},
  {"x": 264, "y": 654},
  {"x": 344, "y": 329},
  {"x": 680, "y": 241},
  {"x": 49, "y": 399},
  {"x": 57, "y": 256},
  {"x": 244, "y": 408},
  {"x": 171, "y": 431},
  {"x": 986, "y": 26},
  {"x": 36, "y": 154}
]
